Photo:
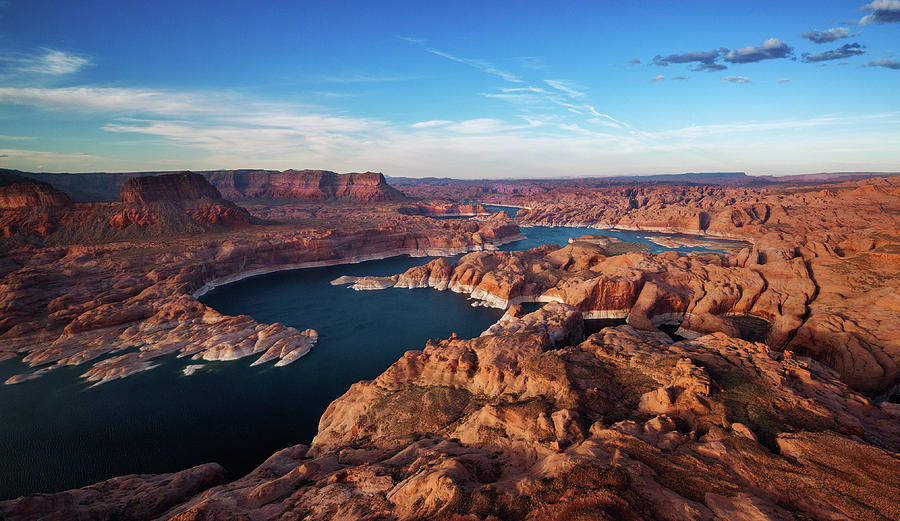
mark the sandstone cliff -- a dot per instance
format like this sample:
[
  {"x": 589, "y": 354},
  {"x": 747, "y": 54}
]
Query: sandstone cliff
[
  {"x": 310, "y": 185},
  {"x": 152, "y": 206},
  {"x": 167, "y": 187},
  {"x": 21, "y": 192}
]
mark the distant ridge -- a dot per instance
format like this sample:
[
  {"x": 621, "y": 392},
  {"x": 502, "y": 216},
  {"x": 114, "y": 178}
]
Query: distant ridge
[
  {"x": 321, "y": 185},
  {"x": 716, "y": 178},
  {"x": 313, "y": 185}
]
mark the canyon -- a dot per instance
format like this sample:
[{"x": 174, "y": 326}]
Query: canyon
[{"x": 775, "y": 398}]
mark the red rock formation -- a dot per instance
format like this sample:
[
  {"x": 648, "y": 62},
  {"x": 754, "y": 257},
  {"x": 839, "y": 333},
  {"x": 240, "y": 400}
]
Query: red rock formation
[
  {"x": 185, "y": 186},
  {"x": 444, "y": 209},
  {"x": 27, "y": 194},
  {"x": 133, "y": 498},
  {"x": 310, "y": 185}
]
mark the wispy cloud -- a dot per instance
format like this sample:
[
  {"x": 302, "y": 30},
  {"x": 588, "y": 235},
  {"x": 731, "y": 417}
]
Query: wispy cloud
[
  {"x": 883, "y": 12},
  {"x": 355, "y": 77},
  {"x": 93, "y": 99},
  {"x": 783, "y": 80},
  {"x": 886, "y": 63},
  {"x": 566, "y": 88},
  {"x": 229, "y": 130},
  {"x": 771, "y": 49},
  {"x": 827, "y": 36},
  {"x": 536, "y": 63},
  {"x": 431, "y": 123},
  {"x": 845, "y": 51},
  {"x": 526, "y": 98},
  {"x": 484, "y": 66},
  {"x": 736, "y": 79},
  {"x": 634, "y": 61},
  {"x": 481, "y": 126},
  {"x": 679, "y": 78},
  {"x": 48, "y": 62},
  {"x": 410, "y": 39},
  {"x": 53, "y": 159},
  {"x": 657, "y": 79},
  {"x": 708, "y": 131}
]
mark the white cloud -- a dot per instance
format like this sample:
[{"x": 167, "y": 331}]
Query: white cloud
[
  {"x": 536, "y": 90},
  {"x": 736, "y": 79},
  {"x": 432, "y": 123},
  {"x": 355, "y": 77},
  {"x": 199, "y": 130},
  {"x": 484, "y": 66},
  {"x": 563, "y": 86},
  {"x": 883, "y": 11},
  {"x": 49, "y": 62},
  {"x": 410, "y": 39},
  {"x": 480, "y": 126},
  {"x": 536, "y": 63},
  {"x": 93, "y": 99},
  {"x": 657, "y": 78},
  {"x": 39, "y": 158}
]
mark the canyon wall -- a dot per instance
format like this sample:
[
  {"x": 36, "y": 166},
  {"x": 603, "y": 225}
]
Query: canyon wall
[{"x": 309, "y": 185}]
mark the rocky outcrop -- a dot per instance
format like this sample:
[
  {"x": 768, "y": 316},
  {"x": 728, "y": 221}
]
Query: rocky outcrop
[
  {"x": 28, "y": 194},
  {"x": 443, "y": 209},
  {"x": 128, "y": 498},
  {"x": 309, "y": 185},
  {"x": 185, "y": 186},
  {"x": 163, "y": 206}
]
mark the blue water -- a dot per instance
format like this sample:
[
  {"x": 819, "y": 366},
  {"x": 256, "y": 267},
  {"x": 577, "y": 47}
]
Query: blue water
[
  {"x": 508, "y": 209},
  {"x": 57, "y": 433},
  {"x": 539, "y": 235}
]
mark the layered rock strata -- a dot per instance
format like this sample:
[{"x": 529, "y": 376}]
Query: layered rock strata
[
  {"x": 19, "y": 192},
  {"x": 310, "y": 185}
]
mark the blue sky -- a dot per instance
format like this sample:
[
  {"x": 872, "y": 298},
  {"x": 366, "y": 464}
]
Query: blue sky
[{"x": 468, "y": 89}]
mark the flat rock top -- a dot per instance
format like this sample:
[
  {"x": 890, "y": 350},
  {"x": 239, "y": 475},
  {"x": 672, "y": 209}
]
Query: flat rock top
[{"x": 168, "y": 187}]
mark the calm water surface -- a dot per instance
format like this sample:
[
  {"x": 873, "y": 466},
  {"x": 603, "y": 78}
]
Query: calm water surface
[{"x": 56, "y": 432}]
